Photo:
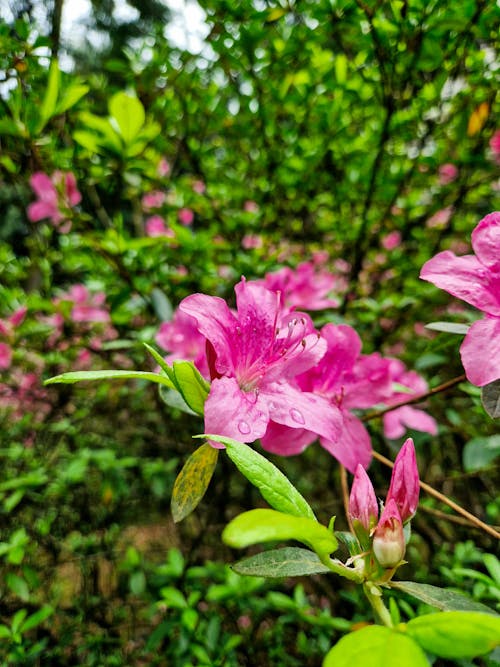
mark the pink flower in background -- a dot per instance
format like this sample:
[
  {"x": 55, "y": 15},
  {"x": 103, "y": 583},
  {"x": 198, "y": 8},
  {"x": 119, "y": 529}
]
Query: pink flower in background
[
  {"x": 10, "y": 324},
  {"x": 163, "y": 168},
  {"x": 253, "y": 356},
  {"x": 440, "y": 218},
  {"x": 495, "y": 146},
  {"x": 56, "y": 195},
  {"x": 186, "y": 216},
  {"x": 476, "y": 280},
  {"x": 447, "y": 173},
  {"x": 251, "y": 241},
  {"x": 391, "y": 240},
  {"x": 87, "y": 307},
  {"x": 155, "y": 226},
  {"x": 154, "y": 199},
  {"x": 181, "y": 338},
  {"x": 5, "y": 356},
  {"x": 250, "y": 206},
  {"x": 199, "y": 187},
  {"x": 306, "y": 287}
]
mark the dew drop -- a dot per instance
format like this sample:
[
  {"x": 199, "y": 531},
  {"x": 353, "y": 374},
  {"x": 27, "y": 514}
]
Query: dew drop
[
  {"x": 297, "y": 416},
  {"x": 243, "y": 427}
]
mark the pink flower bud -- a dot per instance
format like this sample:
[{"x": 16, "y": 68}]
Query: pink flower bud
[
  {"x": 405, "y": 487},
  {"x": 388, "y": 539},
  {"x": 363, "y": 505}
]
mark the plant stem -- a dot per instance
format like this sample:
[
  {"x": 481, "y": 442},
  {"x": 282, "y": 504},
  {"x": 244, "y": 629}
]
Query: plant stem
[
  {"x": 374, "y": 595},
  {"x": 345, "y": 496},
  {"x": 447, "y": 501}
]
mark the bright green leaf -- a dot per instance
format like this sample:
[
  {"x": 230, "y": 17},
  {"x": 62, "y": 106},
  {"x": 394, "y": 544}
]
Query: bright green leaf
[
  {"x": 376, "y": 646},
  {"x": 70, "y": 95},
  {"x": 18, "y": 586},
  {"x": 274, "y": 486},
  {"x": 441, "y": 598},
  {"x": 38, "y": 617},
  {"x": 48, "y": 107},
  {"x": 192, "y": 386},
  {"x": 193, "y": 480},
  {"x": 456, "y": 634},
  {"x": 268, "y": 525},
  {"x": 80, "y": 376},
  {"x": 287, "y": 562},
  {"x": 129, "y": 115}
]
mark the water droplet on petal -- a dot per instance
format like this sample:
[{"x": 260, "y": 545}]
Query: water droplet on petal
[
  {"x": 243, "y": 427},
  {"x": 297, "y": 416}
]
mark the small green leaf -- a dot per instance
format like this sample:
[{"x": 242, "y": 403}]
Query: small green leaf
[
  {"x": 490, "y": 396},
  {"x": 268, "y": 525},
  {"x": 192, "y": 386},
  {"x": 129, "y": 115},
  {"x": 173, "y": 399},
  {"x": 376, "y": 646},
  {"x": 80, "y": 376},
  {"x": 48, "y": 107},
  {"x": 70, "y": 95},
  {"x": 159, "y": 359},
  {"x": 173, "y": 597},
  {"x": 38, "y": 617},
  {"x": 480, "y": 452},
  {"x": 287, "y": 562},
  {"x": 441, "y": 598},
  {"x": 193, "y": 480},
  {"x": 456, "y": 634},
  {"x": 274, "y": 486},
  {"x": 18, "y": 586},
  {"x": 137, "y": 582},
  {"x": 449, "y": 327}
]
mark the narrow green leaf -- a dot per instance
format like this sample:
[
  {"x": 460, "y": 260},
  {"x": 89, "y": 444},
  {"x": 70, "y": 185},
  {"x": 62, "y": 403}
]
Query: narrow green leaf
[
  {"x": 490, "y": 396},
  {"x": 80, "y": 376},
  {"x": 48, "y": 107},
  {"x": 129, "y": 115},
  {"x": 268, "y": 525},
  {"x": 449, "y": 327},
  {"x": 441, "y": 598},
  {"x": 456, "y": 634},
  {"x": 18, "y": 586},
  {"x": 287, "y": 562},
  {"x": 376, "y": 646},
  {"x": 70, "y": 96},
  {"x": 493, "y": 566},
  {"x": 192, "y": 481},
  {"x": 38, "y": 617},
  {"x": 158, "y": 358},
  {"x": 193, "y": 387},
  {"x": 274, "y": 486}
]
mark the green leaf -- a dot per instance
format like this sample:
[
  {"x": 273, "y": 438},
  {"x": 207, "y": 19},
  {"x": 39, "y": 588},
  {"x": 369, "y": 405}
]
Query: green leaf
[
  {"x": 456, "y": 634},
  {"x": 441, "y": 598},
  {"x": 129, "y": 115},
  {"x": 449, "y": 327},
  {"x": 158, "y": 358},
  {"x": 88, "y": 140},
  {"x": 274, "y": 486},
  {"x": 173, "y": 399},
  {"x": 268, "y": 525},
  {"x": 38, "y": 617},
  {"x": 71, "y": 94},
  {"x": 490, "y": 396},
  {"x": 192, "y": 386},
  {"x": 193, "y": 480},
  {"x": 161, "y": 303},
  {"x": 480, "y": 452},
  {"x": 18, "y": 586},
  {"x": 287, "y": 562},
  {"x": 48, "y": 107},
  {"x": 376, "y": 646},
  {"x": 173, "y": 597},
  {"x": 80, "y": 376}
]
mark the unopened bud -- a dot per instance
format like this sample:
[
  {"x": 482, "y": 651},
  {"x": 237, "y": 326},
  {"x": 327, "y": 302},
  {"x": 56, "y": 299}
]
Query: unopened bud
[
  {"x": 405, "y": 485},
  {"x": 388, "y": 539},
  {"x": 363, "y": 505}
]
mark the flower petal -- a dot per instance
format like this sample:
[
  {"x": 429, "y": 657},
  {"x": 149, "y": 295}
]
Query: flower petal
[
  {"x": 466, "y": 278},
  {"x": 486, "y": 241},
  {"x": 397, "y": 421},
  {"x": 480, "y": 351},
  {"x": 234, "y": 413},
  {"x": 352, "y": 446},
  {"x": 286, "y": 441}
]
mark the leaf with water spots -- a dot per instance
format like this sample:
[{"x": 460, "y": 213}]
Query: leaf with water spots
[{"x": 192, "y": 481}]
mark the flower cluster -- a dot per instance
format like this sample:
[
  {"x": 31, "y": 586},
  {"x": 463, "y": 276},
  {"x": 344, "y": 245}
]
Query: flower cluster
[
  {"x": 476, "y": 280},
  {"x": 57, "y": 194},
  {"x": 274, "y": 377},
  {"x": 383, "y": 537}
]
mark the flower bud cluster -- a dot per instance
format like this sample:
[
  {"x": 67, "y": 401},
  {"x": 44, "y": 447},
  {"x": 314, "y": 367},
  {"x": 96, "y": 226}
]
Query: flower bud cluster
[{"x": 384, "y": 537}]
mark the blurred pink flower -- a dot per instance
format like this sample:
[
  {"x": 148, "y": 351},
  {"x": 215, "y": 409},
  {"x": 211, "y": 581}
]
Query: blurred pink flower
[
  {"x": 153, "y": 199},
  {"x": 391, "y": 240},
  {"x": 155, "y": 226},
  {"x": 186, "y": 216},
  {"x": 5, "y": 356},
  {"x": 447, "y": 173},
  {"x": 56, "y": 195},
  {"x": 10, "y": 324},
  {"x": 251, "y": 241},
  {"x": 440, "y": 218},
  {"x": 476, "y": 280},
  {"x": 87, "y": 307},
  {"x": 199, "y": 187},
  {"x": 495, "y": 146},
  {"x": 181, "y": 338},
  {"x": 163, "y": 168},
  {"x": 250, "y": 206}
]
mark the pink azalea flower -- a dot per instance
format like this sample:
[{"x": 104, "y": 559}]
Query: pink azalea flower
[
  {"x": 251, "y": 241},
  {"x": 391, "y": 240},
  {"x": 199, "y": 187},
  {"x": 186, "y": 216},
  {"x": 495, "y": 146},
  {"x": 163, "y": 168},
  {"x": 253, "y": 356},
  {"x": 405, "y": 483},
  {"x": 440, "y": 218},
  {"x": 87, "y": 307},
  {"x": 56, "y": 195},
  {"x": 181, "y": 338},
  {"x": 447, "y": 173},
  {"x": 155, "y": 226},
  {"x": 388, "y": 540},
  {"x": 154, "y": 199},
  {"x": 363, "y": 506},
  {"x": 9, "y": 325},
  {"x": 5, "y": 356},
  {"x": 250, "y": 206},
  {"x": 306, "y": 287},
  {"x": 476, "y": 280}
]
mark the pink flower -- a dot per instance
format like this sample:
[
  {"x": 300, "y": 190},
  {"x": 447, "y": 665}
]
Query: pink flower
[
  {"x": 306, "y": 287},
  {"x": 405, "y": 483},
  {"x": 87, "y": 307},
  {"x": 163, "y": 168},
  {"x": 250, "y": 206},
  {"x": 9, "y": 325},
  {"x": 476, "y": 280},
  {"x": 155, "y": 226},
  {"x": 440, "y": 218},
  {"x": 153, "y": 199},
  {"x": 181, "y": 338},
  {"x": 253, "y": 356},
  {"x": 56, "y": 195},
  {"x": 363, "y": 506},
  {"x": 199, "y": 187},
  {"x": 495, "y": 146},
  {"x": 5, "y": 356},
  {"x": 388, "y": 539},
  {"x": 391, "y": 240},
  {"x": 186, "y": 216},
  {"x": 251, "y": 241},
  {"x": 447, "y": 173}
]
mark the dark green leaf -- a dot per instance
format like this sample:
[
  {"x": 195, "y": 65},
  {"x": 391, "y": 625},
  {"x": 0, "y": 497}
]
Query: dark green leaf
[
  {"x": 490, "y": 397},
  {"x": 287, "y": 562},
  {"x": 193, "y": 480},
  {"x": 441, "y": 598}
]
